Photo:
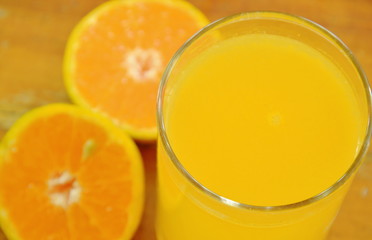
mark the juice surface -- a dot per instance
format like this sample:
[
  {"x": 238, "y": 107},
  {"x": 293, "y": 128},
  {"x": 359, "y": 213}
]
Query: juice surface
[{"x": 264, "y": 120}]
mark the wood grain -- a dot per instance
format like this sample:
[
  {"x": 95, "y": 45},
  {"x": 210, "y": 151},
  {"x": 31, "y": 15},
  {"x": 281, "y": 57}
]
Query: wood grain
[{"x": 32, "y": 40}]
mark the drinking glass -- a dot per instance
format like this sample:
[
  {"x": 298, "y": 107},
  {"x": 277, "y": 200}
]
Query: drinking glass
[{"x": 188, "y": 210}]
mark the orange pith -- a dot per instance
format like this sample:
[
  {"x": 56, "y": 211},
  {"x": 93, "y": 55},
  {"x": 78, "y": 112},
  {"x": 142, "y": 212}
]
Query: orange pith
[
  {"x": 65, "y": 175},
  {"x": 117, "y": 54}
]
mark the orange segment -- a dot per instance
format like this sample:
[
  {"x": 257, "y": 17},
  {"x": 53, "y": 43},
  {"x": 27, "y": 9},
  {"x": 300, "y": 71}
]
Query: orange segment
[
  {"x": 26, "y": 206},
  {"x": 107, "y": 206},
  {"x": 66, "y": 173},
  {"x": 116, "y": 55},
  {"x": 81, "y": 225}
]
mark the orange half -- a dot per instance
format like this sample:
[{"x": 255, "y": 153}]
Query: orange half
[
  {"x": 66, "y": 173},
  {"x": 116, "y": 55}
]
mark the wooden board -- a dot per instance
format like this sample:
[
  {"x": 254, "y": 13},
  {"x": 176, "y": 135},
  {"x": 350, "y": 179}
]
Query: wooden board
[{"x": 32, "y": 40}]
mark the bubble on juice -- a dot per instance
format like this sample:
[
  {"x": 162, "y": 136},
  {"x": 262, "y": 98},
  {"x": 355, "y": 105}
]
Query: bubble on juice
[
  {"x": 275, "y": 118},
  {"x": 364, "y": 192}
]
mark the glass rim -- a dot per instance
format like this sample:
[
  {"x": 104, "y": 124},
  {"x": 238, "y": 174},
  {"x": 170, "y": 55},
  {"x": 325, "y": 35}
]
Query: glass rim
[{"x": 262, "y": 15}]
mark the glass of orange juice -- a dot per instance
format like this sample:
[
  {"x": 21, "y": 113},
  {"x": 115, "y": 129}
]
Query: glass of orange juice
[{"x": 263, "y": 120}]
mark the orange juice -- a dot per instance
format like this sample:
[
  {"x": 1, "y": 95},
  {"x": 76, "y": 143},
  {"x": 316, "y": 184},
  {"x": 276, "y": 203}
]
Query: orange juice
[{"x": 262, "y": 120}]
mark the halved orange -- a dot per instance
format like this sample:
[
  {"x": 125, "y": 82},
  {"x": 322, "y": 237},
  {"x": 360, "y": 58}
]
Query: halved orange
[
  {"x": 66, "y": 173},
  {"x": 116, "y": 55}
]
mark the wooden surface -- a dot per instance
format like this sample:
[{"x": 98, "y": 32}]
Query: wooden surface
[{"x": 32, "y": 39}]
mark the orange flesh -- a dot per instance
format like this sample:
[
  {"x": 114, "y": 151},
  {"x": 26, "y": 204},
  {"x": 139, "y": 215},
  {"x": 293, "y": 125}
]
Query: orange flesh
[
  {"x": 52, "y": 146},
  {"x": 121, "y": 57}
]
